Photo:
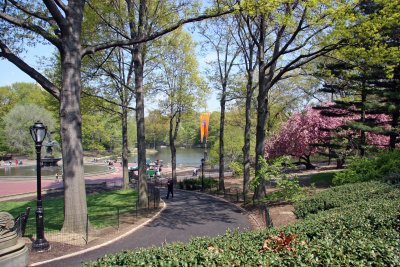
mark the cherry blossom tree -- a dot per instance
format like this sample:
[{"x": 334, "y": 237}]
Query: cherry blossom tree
[
  {"x": 308, "y": 132},
  {"x": 375, "y": 138},
  {"x": 299, "y": 134}
]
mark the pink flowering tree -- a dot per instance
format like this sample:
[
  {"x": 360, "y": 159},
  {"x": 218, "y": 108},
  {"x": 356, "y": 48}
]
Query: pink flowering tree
[
  {"x": 298, "y": 136},
  {"x": 310, "y": 131},
  {"x": 379, "y": 139}
]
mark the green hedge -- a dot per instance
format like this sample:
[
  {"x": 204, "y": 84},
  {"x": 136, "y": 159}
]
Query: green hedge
[
  {"x": 384, "y": 166},
  {"x": 341, "y": 195},
  {"x": 362, "y": 233},
  {"x": 196, "y": 183}
]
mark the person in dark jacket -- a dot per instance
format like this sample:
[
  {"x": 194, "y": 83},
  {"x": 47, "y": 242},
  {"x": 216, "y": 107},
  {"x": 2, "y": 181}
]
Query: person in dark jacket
[{"x": 170, "y": 187}]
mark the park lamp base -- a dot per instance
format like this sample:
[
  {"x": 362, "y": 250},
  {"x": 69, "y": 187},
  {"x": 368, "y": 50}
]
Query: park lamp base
[{"x": 40, "y": 245}]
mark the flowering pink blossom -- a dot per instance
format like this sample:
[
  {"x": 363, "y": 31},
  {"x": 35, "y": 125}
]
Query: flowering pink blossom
[{"x": 298, "y": 136}]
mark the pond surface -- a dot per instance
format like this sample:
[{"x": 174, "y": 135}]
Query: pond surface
[
  {"x": 46, "y": 171},
  {"x": 188, "y": 157}
]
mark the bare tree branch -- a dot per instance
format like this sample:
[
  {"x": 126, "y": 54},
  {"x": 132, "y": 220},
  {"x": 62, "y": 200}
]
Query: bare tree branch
[
  {"x": 61, "y": 5},
  {"x": 298, "y": 62},
  {"x": 108, "y": 101},
  {"x": 55, "y": 12},
  {"x": 33, "y": 14},
  {"x": 32, "y": 27},
  {"x": 141, "y": 39},
  {"x": 43, "y": 81},
  {"x": 117, "y": 79},
  {"x": 106, "y": 21}
]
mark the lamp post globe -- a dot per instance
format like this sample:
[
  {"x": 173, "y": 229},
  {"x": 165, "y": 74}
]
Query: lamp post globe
[{"x": 38, "y": 133}]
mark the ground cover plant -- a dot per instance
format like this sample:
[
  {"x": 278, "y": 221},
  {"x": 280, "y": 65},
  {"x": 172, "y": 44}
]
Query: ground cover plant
[
  {"x": 103, "y": 209},
  {"x": 358, "y": 232}
]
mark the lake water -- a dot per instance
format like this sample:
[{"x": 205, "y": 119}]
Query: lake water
[{"x": 190, "y": 157}]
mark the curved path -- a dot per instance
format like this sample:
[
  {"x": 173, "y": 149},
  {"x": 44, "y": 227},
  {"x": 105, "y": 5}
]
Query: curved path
[
  {"x": 12, "y": 187},
  {"x": 187, "y": 215},
  {"x": 22, "y": 185}
]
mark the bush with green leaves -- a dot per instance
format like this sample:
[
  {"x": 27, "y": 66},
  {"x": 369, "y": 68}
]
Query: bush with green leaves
[
  {"x": 341, "y": 195},
  {"x": 384, "y": 166},
  {"x": 278, "y": 170},
  {"x": 196, "y": 183},
  {"x": 188, "y": 184},
  {"x": 288, "y": 189},
  {"x": 237, "y": 168},
  {"x": 360, "y": 233}
]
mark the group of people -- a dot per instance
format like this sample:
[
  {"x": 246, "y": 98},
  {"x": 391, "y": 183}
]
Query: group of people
[{"x": 9, "y": 163}]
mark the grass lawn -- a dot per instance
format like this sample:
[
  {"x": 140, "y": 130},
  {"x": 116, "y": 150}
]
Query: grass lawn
[{"x": 103, "y": 209}]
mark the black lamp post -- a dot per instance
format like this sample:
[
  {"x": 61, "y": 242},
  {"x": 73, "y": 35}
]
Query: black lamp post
[
  {"x": 38, "y": 132},
  {"x": 202, "y": 174}
]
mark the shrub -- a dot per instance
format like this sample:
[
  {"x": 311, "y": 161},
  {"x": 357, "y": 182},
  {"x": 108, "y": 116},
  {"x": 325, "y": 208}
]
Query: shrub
[
  {"x": 237, "y": 168},
  {"x": 384, "y": 166},
  {"x": 288, "y": 189},
  {"x": 196, "y": 183},
  {"x": 188, "y": 184},
  {"x": 361, "y": 233},
  {"x": 342, "y": 195}
]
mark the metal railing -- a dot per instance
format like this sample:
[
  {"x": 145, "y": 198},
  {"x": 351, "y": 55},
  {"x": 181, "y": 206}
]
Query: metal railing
[{"x": 105, "y": 219}]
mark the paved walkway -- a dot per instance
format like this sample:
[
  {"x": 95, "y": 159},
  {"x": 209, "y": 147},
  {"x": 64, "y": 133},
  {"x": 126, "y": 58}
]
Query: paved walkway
[
  {"x": 187, "y": 215},
  {"x": 13, "y": 186},
  {"x": 24, "y": 185}
]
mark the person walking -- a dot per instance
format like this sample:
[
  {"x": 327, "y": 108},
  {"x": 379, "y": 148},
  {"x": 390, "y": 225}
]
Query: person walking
[{"x": 170, "y": 187}]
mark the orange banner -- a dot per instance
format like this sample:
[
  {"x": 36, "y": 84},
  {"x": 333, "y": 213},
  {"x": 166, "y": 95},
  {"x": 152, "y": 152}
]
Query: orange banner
[{"x": 204, "y": 121}]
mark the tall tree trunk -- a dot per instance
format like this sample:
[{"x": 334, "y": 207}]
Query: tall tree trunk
[
  {"x": 141, "y": 149},
  {"x": 137, "y": 29},
  {"x": 172, "y": 148},
  {"x": 247, "y": 128},
  {"x": 394, "y": 134},
  {"x": 265, "y": 76},
  {"x": 307, "y": 162},
  {"x": 75, "y": 209},
  {"x": 362, "y": 132},
  {"x": 262, "y": 109},
  {"x": 340, "y": 163},
  {"x": 173, "y": 134},
  {"x": 125, "y": 174},
  {"x": 262, "y": 114},
  {"x": 221, "y": 185}
]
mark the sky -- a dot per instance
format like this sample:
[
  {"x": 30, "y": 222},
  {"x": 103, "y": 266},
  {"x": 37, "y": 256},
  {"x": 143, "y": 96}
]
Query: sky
[{"x": 10, "y": 74}]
